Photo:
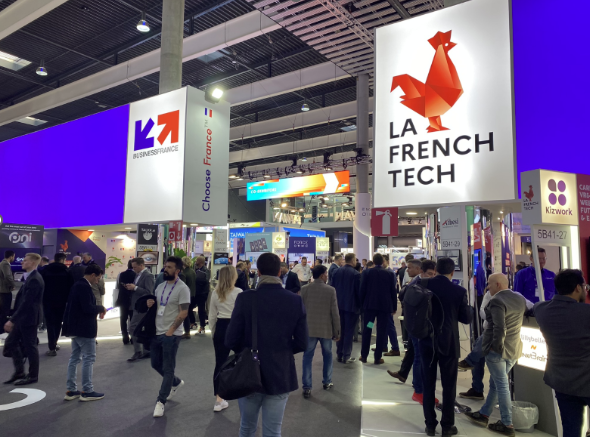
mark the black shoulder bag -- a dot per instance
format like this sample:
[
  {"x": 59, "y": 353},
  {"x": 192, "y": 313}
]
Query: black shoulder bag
[{"x": 240, "y": 374}]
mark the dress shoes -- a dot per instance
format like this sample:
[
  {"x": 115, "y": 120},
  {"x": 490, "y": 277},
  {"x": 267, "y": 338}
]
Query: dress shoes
[
  {"x": 26, "y": 381},
  {"x": 136, "y": 356},
  {"x": 392, "y": 353},
  {"x": 381, "y": 361},
  {"x": 15, "y": 377},
  {"x": 396, "y": 375}
]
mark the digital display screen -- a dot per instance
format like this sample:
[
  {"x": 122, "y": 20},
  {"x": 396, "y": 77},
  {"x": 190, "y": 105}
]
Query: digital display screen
[{"x": 327, "y": 183}]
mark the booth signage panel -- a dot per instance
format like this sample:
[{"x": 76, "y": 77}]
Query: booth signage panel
[
  {"x": 15, "y": 236},
  {"x": 549, "y": 197},
  {"x": 450, "y": 227},
  {"x": 584, "y": 219},
  {"x": 242, "y": 232},
  {"x": 302, "y": 244},
  {"x": 534, "y": 349},
  {"x": 327, "y": 183},
  {"x": 155, "y": 158},
  {"x": 297, "y": 232},
  {"x": 259, "y": 242},
  {"x": 444, "y": 118},
  {"x": 220, "y": 240},
  {"x": 384, "y": 222},
  {"x": 322, "y": 244},
  {"x": 207, "y": 246},
  {"x": 279, "y": 240},
  {"x": 175, "y": 231},
  {"x": 558, "y": 235},
  {"x": 147, "y": 237}
]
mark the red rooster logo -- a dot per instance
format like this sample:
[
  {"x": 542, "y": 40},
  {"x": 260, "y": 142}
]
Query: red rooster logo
[
  {"x": 441, "y": 90},
  {"x": 530, "y": 194},
  {"x": 65, "y": 246}
]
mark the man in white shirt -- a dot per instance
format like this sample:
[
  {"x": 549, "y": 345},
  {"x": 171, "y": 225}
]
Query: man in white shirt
[
  {"x": 173, "y": 298},
  {"x": 303, "y": 272}
]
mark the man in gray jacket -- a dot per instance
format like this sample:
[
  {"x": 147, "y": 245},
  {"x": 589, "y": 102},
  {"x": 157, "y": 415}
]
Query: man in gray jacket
[
  {"x": 323, "y": 323},
  {"x": 501, "y": 346},
  {"x": 142, "y": 286},
  {"x": 6, "y": 287}
]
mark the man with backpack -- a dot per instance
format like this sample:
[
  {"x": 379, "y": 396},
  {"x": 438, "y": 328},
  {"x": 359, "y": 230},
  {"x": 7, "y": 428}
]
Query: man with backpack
[{"x": 434, "y": 309}]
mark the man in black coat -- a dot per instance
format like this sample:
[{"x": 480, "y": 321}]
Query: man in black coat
[
  {"x": 290, "y": 279},
  {"x": 58, "y": 282},
  {"x": 80, "y": 324},
  {"x": 124, "y": 300},
  {"x": 446, "y": 349},
  {"x": 282, "y": 332},
  {"x": 77, "y": 269},
  {"x": 242, "y": 281},
  {"x": 22, "y": 326}
]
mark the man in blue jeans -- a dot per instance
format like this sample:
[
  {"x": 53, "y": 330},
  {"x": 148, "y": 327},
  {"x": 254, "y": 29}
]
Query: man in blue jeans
[
  {"x": 501, "y": 346},
  {"x": 80, "y": 324},
  {"x": 565, "y": 324},
  {"x": 173, "y": 298},
  {"x": 323, "y": 324}
]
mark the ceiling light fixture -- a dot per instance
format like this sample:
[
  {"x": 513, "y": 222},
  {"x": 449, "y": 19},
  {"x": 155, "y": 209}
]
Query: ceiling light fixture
[
  {"x": 304, "y": 159},
  {"x": 41, "y": 70},
  {"x": 128, "y": 228},
  {"x": 240, "y": 179},
  {"x": 217, "y": 93},
  {"x": 194, "y": 224},
  {"x": 299, "y": 171},
  {"x": 412, "y": 213},
  {"x": 305, "y": 107},
  {"x": 276, "y": 208},
  {"x": 326, "y": 198},
  {"x": 284, "y": 204},
  {"x": 501, "y": 212},
  {"x": 90, "y": 230},
  {"x": 143, "y": 25},
  {"x": 267, "y": 176},
  {"x": 301, "y": 209}
]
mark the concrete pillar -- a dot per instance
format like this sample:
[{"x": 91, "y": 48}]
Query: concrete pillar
[
  {"x": 362, "y": 220},
  {"x": 171, "y": 53}
]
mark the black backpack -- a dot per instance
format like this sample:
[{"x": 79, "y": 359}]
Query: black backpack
[{"x": 418, "y": 302}]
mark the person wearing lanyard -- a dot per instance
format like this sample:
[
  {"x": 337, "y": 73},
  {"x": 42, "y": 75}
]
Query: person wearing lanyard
[
  {"x": 173, "y": 298},
  {"x": 525, "y": 281},
  {"x": 303, "y": 271}
]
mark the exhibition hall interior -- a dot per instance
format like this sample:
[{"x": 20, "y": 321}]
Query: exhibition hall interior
[{"x": 333, "y": 218}]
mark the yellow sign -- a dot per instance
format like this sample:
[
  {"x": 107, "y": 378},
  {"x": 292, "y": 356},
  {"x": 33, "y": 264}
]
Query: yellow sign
[
  {"x": 322, "y": 244},
  {"x": 208, "y": 246},
  {"x": 279, "y": 240}
]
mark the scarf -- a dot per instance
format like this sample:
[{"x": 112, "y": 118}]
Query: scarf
[{"x": 265, "y": 279}]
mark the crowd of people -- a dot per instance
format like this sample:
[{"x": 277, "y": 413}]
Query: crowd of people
[{"x": 289, "y": 311}]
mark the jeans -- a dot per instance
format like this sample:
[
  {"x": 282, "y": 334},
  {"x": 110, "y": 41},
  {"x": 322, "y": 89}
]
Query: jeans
[
  {"x": 83, "y": 349},
  {"x": 572, "y": 409},
  {"x": 163, "y": 354},
  {"x": 382, "y": 323},
  {"x": 417, "y": 374},
  {"x": 392, "y": 333},
  {"x": 326, "y": 344},
  {"x": 348, "y": 321},
  {"x": 273, "y": 408},
  {"x": 478, "y": 361},
  {"x": 499, "y": 387}
]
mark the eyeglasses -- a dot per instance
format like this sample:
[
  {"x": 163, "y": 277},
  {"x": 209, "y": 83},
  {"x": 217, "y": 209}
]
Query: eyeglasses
[{"x": 587, "y": 287}]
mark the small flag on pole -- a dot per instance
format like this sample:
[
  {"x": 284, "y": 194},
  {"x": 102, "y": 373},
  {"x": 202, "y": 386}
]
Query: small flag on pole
[{"x": 209, "y": 112}]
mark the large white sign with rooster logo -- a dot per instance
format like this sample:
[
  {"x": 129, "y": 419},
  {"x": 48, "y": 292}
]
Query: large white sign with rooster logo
[{"x": 444, "y": 111}]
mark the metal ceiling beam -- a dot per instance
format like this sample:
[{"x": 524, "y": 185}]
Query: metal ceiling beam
[
  {"x": 23, "y": 12},
  {"x": 399, "y": 8}
]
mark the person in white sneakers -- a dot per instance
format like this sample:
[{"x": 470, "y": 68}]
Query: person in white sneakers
[{"x": 173, "y": 298}]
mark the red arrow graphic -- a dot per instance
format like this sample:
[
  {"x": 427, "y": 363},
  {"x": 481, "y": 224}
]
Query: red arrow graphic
[{"x": 171, "y": 120}]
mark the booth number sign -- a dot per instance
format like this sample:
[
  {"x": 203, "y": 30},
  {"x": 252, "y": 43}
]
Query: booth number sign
[{"x": 558, "y": 235}]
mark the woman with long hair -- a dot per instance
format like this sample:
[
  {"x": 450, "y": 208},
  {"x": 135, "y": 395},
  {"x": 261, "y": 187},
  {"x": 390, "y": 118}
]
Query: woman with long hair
[{"x": 221, "y": 307}]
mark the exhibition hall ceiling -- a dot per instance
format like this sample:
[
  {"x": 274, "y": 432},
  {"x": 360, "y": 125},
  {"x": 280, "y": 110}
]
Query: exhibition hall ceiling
[{"x": 80, "y": 38}]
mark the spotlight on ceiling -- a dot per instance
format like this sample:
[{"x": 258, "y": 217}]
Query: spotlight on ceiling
[
  {"x": 412, "y": 213},
  {"x": 267, "y": 176},
  {"x": 326, "y": 198},
  {"x": 276, "y": 208},
  {"x": 299, "y": 171},
  {"x": 213, "y": 95},
  {"x": 143, "y": 25},
  {"x": 240, "y": 179},
  {"x": 305, "y": 107},
  {"x": 345, "y": 204},
  {"x": 302, "y": 209},
  {"x": 324, "y": 206},
  {"x": 217, "y": 93},
  {"x": 284, "y": 204},
  {"x": 304, "y": 159},
  {"x": 41, "y": 70}
]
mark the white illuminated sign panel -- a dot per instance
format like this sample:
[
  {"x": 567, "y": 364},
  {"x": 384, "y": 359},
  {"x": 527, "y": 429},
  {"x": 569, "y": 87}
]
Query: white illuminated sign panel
[
  {"x": 534, "y": 349},
  {"x": 444, "y": 125}
]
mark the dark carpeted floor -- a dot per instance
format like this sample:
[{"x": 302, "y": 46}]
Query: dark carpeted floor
[{"x": 131, "y": 390}]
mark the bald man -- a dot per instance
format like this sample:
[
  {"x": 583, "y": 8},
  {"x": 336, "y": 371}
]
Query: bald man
[{"x": 501, "y": 346}]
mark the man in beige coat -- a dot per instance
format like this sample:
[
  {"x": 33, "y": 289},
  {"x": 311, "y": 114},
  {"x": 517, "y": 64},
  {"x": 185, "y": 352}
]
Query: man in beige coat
[{"x": 323, "y": 322}]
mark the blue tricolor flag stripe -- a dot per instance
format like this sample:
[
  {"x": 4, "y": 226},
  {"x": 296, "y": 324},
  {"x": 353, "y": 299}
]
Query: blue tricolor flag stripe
[{"x": 209, "y": 112}]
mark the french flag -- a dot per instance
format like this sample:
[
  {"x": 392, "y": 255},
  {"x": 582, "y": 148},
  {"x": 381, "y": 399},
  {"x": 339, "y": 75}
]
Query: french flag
[{"x": 209, "y": 112}]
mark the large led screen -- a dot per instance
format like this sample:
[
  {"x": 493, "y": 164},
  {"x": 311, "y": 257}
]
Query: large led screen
[
  {"x": 328, "y": 183},
  {"x": 69, "y": 175}
]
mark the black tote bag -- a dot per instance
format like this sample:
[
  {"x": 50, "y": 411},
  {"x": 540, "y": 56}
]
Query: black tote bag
[{"x": 240, "y": 374}]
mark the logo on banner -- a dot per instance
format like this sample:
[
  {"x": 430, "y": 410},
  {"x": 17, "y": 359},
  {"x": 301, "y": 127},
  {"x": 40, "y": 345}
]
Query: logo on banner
[
  {"x": 147, "y": 235},
  {"x": 554, "y": 187},
  {"x": 209, "y": 112},
  {"x": 170, "y": 122},
  {"x": 441, "y": 90},
  {"x": 16, "y": 238}
]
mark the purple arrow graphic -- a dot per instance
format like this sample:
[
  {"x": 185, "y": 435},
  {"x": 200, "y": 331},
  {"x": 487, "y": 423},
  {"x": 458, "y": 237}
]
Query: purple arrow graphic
[{"x": 141, "y": 135}]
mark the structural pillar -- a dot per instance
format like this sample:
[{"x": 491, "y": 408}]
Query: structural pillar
[
  {"x": 171, "y": 48},
  {"x": 362, "y": 221}
]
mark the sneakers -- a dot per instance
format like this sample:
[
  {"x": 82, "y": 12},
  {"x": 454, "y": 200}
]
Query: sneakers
[
  {"x": 93, "y": 396},
  {"x": 499, "y": 427},
  {"x": 71, "y": 395},
  {"x": 472, "y": 394},
  {"x": 350, "y": 360},
  {"x": 478, "y": 418},
  {"x": 306, "y": 393},
  {"x": 159, "y": 410},
  {"x": 464, "y": 366},
  {"x": 201, "y": 331},
  {"x": 175, "y": 390},
  {"x": 219, "y": 406},
  {"x": 396, "y": 375},
  {"x": 392, "y": 353},
  {"x": 51, "y": 353},
  {"x": 419, "y": 397},
  {"x": 328, "y": 386}
]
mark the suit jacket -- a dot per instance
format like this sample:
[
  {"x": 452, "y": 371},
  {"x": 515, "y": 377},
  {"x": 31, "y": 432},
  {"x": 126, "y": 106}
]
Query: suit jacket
[
  {"x": 321, "y": 306},
  {"x": 331, "y": 270},
  {"x": 145, "y": 287},
  {"x": 58, "y": 282},
  {"x": 379, "y": 290},
  {"x": 292, "y": 284},
  {"x": 81, "y": 311},
  {"x": 242, "y": 281},
  {"x": 347, "y": 282},
  {"x": 456, "y": 309},
  {"x": 282, "y": 332},
  {"x": 6, "y": 277},
  {"x": 565, "y": 324},
  {"x": 203, "y": 279},
  {"x": 146, "y": 328},
  {"x": 504, "y": 315},
  {"x": 124, "y": 296},
  {"x": 191, "y": 280},
  {"x": 77, "y": 271},
  {"x": 27, "y": 306}
]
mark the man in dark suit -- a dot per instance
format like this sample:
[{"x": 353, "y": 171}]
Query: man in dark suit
[
  {"x": 142, "y": 285},
  {"x": 77, "y": 269},
  {"x": 338, "y": 262},
  {"x": 6, "y": 287},
  {"x": 58, "y": 282},
  {"x": 445, "y": 349},
  {"x": 379, "y": 301},
  {"x": 242, "y": 281},
  {"x": 347, "y": 282},
  {"x": 124, "y": 299},
  {"x": 565, "y": 324},
  {"x": 290, "y": 279},
  {"x": 282, "y": 332},
  {"x": 22, "y": 326}
]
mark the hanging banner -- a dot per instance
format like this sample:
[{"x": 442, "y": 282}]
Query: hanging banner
[
  {"x": 220, "y": 240},
  {"x": 259, "y": 242},
  {"x": 279, "y": 240},
  {"x": 322, "y": 244},
  {"x": 21, "y": 236}
]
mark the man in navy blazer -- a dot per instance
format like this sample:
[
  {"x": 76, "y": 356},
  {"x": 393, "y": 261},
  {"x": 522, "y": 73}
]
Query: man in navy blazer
[
  {"x": 282, "y": 332},
  {"x": 22, "y": 326},
  {"x": 347, "y": 282},
  {"x": 379, "y": 301},
  {"x": 445, "y": 350}
]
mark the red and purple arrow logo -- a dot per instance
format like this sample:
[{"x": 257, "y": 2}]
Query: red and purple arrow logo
[{"x": 171, "y": 122}]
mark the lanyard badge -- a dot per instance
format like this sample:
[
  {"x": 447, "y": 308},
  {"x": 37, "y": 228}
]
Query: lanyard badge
[{"x": 162, "y": 303}]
